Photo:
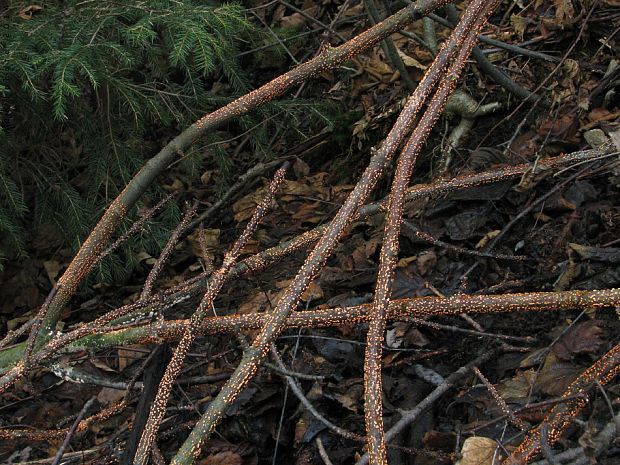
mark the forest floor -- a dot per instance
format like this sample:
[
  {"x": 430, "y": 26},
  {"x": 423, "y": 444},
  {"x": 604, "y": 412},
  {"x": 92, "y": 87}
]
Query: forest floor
[{"x": 565, "y": 237}]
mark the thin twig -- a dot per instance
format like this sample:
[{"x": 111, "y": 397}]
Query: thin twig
[
  {"x": 71, "y": 432},
  {"x": 500, "y": 401},
  {"x": 409, "y": 416},
  {"x": 322, "y": 451}
]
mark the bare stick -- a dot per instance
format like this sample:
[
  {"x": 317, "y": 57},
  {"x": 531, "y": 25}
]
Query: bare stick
[
  {"x": 536, "y": 301},
  {"x": 410, "y": 416}
]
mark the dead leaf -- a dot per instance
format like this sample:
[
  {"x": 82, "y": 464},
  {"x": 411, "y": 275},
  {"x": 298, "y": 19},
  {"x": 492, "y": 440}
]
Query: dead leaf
[
  {"x": 478, "y": 451},
  {"x": 144, "y": 257},
  {"x": 126, "y": 356},
  {"x": 206, "y": 176},
  {"x": 300, "y": 430},
  {"x": 176, "y": 185},
  {"x": 415, "y": 338},
  {"x": 222, "y": 458},
  {"x": 601, "y": 254},
  {"x": 294, "y": 21},
  {"x": 531, "y": 178},
  {"x": 108, "y": 396},
  {"x": 411, "y": 62},
  {"x": 300, "y": 168},
  {"x": 519, "y": 24},
  {"x": 517, "y": 387},
  {"x": 102, "y": 365},
  {"x": 28, "y": 11},
  {"x": 350, "y": 402},
  {"x": 583, "y": 338},
  {"x": 564, "y": 15},
  {"x": 314, "y": 292},
  {"x": 52, "y": 267},
  {"x": 258, "y": 302},
  {"x": 212, "y": 239},
  {"x": 394, "y": 338},
  {"x": 555, "y": 376},
  {"x": 486, "y": 238},
  {"x": 466, "y": 224},
  {"x": 426, "y": 262}
]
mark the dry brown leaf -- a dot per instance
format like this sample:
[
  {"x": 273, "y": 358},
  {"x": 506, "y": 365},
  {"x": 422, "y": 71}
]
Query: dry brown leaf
[
  {"x": 312, "y": 187},
  {"x": 531, "y": 178},
  {"x": 583, "y": 338},
  {"x": 313, "y": 292},
  {"x": 294, "y": 21},
  {"x": 517, "y": 387},
  {"x": 307, "y": 213},
  {"x": 28, "y": 11},
  {"x": 415, "y": 338},
  {"x": 176, "y": 185},
  {"x": 300, "y": 168},
  {"x": 258, "y": 302},
  {"x": 426, "y": 262},
  {"x": 245, "y": 206},
  {"x": 108, "y": 396},
  {"x": 212, "y": 239},
  {"x": 127, "y": 356},
  {"x": 300, "y": 430},
  {"x": 477, "y": 451},
  {"x": 564, "y": 15},
  {"x": 411, "y": 62},
  {"x": 206, "y": 176},
  {"x": 519, "y": 24},
  {"x": 555, "y": 376},
  {"x": 222, "y": 458},
  {"x": 486, "y": 238},
  {"x": 102, "y": 365}
]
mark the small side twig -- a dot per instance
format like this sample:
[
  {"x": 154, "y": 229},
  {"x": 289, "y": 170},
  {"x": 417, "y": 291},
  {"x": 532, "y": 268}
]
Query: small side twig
[
  {"x": 322, "y": 451},
  {"x": 388, "y": 46},
  {"x": 489, "y": 68},
  {"x": 172, "y": 241},
  {"x": 500, "y": 401},
  {"x": 71, "y": 432},
  {"x": 604, "y": 370}
]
